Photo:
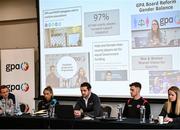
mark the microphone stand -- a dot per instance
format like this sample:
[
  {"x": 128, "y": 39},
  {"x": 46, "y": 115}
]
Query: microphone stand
[
  {"x": 4, "y": 106},
  {"x": 51, "y": 111},
  {"x": 49, "y": 118}
]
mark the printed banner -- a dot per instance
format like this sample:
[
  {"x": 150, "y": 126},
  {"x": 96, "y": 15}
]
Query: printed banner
[{"x": 17, "y": 72}]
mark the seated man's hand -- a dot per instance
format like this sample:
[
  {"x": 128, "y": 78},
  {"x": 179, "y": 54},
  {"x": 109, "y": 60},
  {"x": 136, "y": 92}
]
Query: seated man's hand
[
  {"x": 1, "y": 111},
  {"x": 77, "y": 113},
  {"x": 167, "y": 119}
]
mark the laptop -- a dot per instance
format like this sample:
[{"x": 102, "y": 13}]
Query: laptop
[{"x": 64, "y": 111}]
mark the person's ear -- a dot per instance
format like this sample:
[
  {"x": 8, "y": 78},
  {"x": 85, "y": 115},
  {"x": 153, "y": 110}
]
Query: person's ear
[{"x": 139, "y": 89}]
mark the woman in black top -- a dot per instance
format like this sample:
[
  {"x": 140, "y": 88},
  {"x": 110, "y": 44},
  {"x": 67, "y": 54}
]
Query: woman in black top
[
  {"x": 171, "y": 108},
  {"x": 48, "y": 99}
]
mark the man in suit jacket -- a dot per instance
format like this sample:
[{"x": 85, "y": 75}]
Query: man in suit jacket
[
  {"x": 9, "y": 100},
  {"x": 89, "y": 104}
]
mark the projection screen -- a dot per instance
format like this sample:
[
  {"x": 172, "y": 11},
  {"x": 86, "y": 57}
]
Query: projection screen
[{"x": 109, "y": 43}]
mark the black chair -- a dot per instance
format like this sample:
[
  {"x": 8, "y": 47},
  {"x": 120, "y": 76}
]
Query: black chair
[
  {"x": 106, "y": 108},
  {"x": 24, "y": 107}
]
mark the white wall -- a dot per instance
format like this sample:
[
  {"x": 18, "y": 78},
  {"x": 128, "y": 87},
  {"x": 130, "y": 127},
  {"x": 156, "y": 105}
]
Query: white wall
[{"x": 18, "y": 29}]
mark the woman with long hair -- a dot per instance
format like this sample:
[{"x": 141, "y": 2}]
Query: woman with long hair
[
  {"x": 171, "y": 108},
  {"x": 154, "y": 36}
]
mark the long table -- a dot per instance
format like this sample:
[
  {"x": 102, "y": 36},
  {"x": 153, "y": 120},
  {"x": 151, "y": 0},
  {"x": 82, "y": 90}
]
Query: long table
[{"x": 29, "y": 122}]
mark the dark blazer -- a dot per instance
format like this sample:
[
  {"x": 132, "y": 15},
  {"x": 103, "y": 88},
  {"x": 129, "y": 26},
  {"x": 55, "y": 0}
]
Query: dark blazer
[
  {"x": 10, "y": 96},
  {"x": 93, "y": 108}
]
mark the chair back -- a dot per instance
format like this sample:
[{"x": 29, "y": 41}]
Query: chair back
[
  {"x": 24, "y": 107},
  {"x": 106, "y": 108}
]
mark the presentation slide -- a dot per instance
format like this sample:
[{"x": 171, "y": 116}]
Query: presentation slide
[{"x": 110, "y": 44}]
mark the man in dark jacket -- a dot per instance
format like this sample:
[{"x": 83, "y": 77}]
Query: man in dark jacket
[
  {"x": 8, "y": 100},
  {"x": 89, "y": 104},
  {"x": 132, "y": 106}
]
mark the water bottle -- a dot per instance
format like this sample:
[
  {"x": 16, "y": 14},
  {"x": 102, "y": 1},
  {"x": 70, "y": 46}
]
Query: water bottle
[
  {"x": 12, "y": 110},
  {"x": 120, "y": 108},
  {"x": 52, "y": 111},
  {"x": 9, "y": 107},
  {"x": 15, "y": 109},
  {"x": 105, "y": 115},
  {"x": 4, "y": 106},
  {"x": 142, "y": 114},
  {"x": 151, "y": 119}
]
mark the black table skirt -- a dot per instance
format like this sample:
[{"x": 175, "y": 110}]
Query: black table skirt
[{"x": 29, "y": 122}]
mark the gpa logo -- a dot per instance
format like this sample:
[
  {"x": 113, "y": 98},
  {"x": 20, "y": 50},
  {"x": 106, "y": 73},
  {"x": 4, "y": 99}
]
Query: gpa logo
[
  {"x": 19, "y": 87},
  {"x": 166, "y": 20},
  {"x": 177, "y": 19},
  {"x": 23, "y": 66}
]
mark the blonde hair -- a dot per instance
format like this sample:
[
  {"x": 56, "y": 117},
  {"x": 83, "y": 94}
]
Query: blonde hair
[{"x": 168, "y": 104}]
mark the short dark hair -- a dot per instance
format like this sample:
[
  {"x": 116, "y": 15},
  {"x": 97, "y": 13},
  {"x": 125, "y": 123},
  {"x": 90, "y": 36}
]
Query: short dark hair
[
  {"x": 135, "y": 84},
  {"x": 86, "y": 84},
  {"x": 3, "y": 87}
]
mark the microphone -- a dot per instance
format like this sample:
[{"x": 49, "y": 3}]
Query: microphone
[
  {"x": 52, "y": 108},
  {"x": 53, "y": 102}
]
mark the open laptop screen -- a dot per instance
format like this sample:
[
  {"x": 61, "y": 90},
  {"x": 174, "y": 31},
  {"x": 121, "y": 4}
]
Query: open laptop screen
[{"x": 64, "y": 111}]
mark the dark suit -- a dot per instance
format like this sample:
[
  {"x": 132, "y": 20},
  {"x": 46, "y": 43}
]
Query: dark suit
[
  {"x": 93, "y": 108},
  {"x": 10, "y": 96}
]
